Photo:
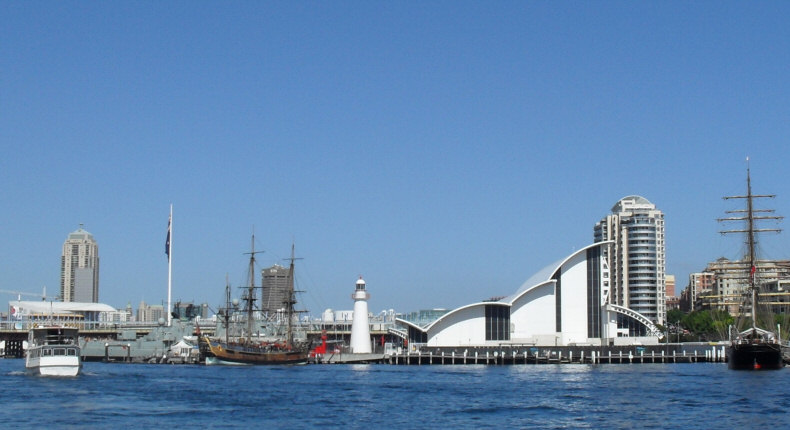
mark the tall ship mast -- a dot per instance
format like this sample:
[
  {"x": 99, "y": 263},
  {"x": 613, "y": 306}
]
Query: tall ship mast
[
  {"x": 225, "y": 313},
  {"x": 290, "y": 300},
  {"x": 250, "y": 296},
  {"x": 754, "y": 348},
  {"x": 248, "y": 349}
]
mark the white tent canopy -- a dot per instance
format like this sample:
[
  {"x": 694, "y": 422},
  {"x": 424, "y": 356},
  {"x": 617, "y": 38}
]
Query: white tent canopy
[{"x": 22, "y": 307}]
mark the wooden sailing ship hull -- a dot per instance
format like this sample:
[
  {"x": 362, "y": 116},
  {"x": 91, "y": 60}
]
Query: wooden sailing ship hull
[
  {"x": 217, "y": 352},
  {"x": 754, "y": 356}
]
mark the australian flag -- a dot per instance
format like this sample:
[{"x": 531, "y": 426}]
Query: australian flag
[{"x": 167, "y": 241}]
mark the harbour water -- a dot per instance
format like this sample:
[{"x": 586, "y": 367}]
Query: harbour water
[{"x": 362, "y": 396}]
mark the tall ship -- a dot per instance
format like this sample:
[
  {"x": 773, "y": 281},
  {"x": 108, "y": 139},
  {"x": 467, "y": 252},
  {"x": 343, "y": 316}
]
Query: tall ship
[
  {"x": 753, "y": 344},
  {"x": 53, "y": 351},
  {"x": 259, "y": 340}
]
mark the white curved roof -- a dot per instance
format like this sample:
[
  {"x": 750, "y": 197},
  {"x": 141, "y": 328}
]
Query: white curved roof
[
  {"x": 545, "y": 274},
  {"x": 542, "y": 277},
  {"x": 43, "y": 307},
  {"x": 454, "y": 311}
]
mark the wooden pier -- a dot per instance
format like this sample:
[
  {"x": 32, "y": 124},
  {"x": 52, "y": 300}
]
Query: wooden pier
[{"x": 673, "y": 353}]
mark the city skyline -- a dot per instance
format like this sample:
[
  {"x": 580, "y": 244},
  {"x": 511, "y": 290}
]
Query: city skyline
[{"x": 445, "y": 152}]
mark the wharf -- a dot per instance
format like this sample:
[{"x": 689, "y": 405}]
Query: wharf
[
  {"x": 340, "y": 358},
  {"x": 151, "y": 345},
  {"x": 663, "y": 353},
  {"x": 135, "y": 343}
]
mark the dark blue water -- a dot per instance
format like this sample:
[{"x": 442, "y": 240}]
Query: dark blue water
[{"x": 361, "y": 396}]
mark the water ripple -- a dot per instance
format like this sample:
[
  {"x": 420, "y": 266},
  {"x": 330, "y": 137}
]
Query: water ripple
[{"x": 547, "y": 396}]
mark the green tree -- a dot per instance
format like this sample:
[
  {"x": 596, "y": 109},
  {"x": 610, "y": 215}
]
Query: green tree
[
  {"x": 707, "y": 325},
  {"x": 674, "y": 316}
]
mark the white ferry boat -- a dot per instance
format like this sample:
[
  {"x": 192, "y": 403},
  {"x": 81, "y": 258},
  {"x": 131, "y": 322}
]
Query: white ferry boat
[{"x": 53, "y": 351}]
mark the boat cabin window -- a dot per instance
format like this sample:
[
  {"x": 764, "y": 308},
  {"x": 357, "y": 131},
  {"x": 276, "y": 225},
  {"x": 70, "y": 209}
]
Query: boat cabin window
[
  {"x": 60, "y": 351},
  {"x": 72, "y": 352},
  {"x": 47, "y": 352}
]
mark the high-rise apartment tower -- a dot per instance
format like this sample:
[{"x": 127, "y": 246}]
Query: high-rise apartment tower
[
  {"x": 637, "y": 259},
  {"x": 276, "y": 285},
  {"x": 79, "y": 268}
]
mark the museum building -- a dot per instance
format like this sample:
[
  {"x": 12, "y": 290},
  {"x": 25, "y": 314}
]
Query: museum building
[{"x": 565, "y": 304}]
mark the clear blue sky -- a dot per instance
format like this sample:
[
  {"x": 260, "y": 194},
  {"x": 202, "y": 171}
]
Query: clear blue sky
[{"x": 446, "y": 151}]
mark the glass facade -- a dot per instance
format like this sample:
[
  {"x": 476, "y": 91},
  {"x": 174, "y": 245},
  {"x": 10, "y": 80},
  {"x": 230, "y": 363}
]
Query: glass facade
[
  {"x": 417, "y": 336},
  {"x": 424, "y": 318},
  {"x": 558, "y": 298},
  {"x": 497, "y": 322},
  {"x": 635, "y": 328},
  {"x": 594, "y": 292}
]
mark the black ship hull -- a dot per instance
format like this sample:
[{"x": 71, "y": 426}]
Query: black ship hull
[{"x": 755, "y": 356}]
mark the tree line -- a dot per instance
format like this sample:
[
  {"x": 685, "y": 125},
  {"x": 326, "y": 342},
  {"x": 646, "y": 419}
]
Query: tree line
[
  {"x": 709, "y": 325},
  {"x": 697, "y": 326}
]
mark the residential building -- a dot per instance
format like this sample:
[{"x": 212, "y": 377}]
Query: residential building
[
  {"x": 150, "y": 313},
  {"x": 700, "y": 284},
  {"x": 186, "y": 311},
  {"x": 636, "y": 256},
  {"x": 276, "y": 287},
  {"x": 79, "y": 268},
  {"x": 731, "y": 278},
  {"x": 673, "y": 302}
]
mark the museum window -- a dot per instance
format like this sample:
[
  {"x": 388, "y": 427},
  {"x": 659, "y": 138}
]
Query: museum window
[
  {"x": 497, "y": 322},
  {"x": 635, "y": 328},
  {"x": 417, "y": 336},
  {"x": 558, "y": 298},
  {"x": 593, "y": 293}
]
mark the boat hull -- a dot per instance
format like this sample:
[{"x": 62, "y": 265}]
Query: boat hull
[
  {"x": 755, "y": 356},
  {"x": 54, "y": 366},
  {"x": 219, "y": 353},
  {"x": 214, "y": 361}
]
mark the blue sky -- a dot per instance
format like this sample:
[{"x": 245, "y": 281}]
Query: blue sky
[{"x": 445, "y": 151}]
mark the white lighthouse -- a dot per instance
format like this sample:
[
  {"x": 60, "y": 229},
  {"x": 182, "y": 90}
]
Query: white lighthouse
[{"x": 360, "y": 328}]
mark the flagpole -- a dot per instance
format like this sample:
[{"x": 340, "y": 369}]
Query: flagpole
[{"x": 170, "y": 265}]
